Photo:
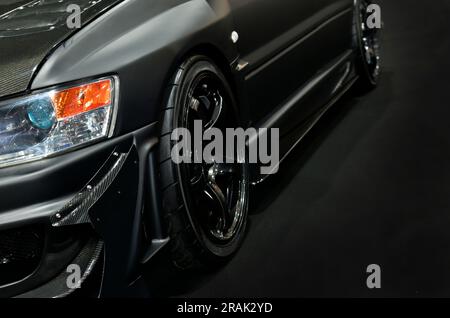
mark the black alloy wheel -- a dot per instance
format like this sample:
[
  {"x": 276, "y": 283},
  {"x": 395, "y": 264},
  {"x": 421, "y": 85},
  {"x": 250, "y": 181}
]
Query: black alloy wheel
[
  {"x": 368, "y": 44},
  {"x": 207, "y": 224}
]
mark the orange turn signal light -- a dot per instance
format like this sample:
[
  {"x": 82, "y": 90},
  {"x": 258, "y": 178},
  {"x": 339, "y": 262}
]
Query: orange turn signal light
[{"x": 81, "y": 99}]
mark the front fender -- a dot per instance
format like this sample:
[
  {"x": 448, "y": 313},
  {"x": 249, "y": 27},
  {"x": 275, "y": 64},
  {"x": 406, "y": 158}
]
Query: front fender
[{"x": 142, "y": 42}]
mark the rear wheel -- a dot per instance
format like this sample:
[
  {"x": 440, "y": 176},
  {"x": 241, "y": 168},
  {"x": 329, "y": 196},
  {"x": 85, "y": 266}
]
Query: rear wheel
[
  {"x": 205, "y": 203},
  {"x": 367, "y": 43}
]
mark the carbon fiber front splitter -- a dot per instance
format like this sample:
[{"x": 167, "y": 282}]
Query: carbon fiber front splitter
[{"x": 95, "y": 210}]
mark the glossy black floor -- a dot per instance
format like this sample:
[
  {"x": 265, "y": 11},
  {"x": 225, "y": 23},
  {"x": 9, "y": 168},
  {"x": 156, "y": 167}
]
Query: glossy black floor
[{"x": 371, "y": 185}]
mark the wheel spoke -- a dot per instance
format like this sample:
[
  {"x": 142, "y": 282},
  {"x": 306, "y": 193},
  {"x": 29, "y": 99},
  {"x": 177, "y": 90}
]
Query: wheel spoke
[
  {"x": 214, "y": 199},
  {"x": 218, "y": 212},
  {"x": 197, "y": 182},
  {"x": 216, "y": 112},
  {"x": 199, "y": 107}
]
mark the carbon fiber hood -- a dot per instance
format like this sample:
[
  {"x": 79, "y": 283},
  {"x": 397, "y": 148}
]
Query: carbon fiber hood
[{"x": 30, "y": 29}]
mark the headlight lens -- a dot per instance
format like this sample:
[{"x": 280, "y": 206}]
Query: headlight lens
[{"x": 50, "y": 122}]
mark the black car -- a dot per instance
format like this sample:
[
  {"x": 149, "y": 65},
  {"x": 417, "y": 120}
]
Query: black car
[{"x": 90, "y": 93}]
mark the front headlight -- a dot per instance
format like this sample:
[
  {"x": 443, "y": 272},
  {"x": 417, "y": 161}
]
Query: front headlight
[{"x": 57, "y": 120}]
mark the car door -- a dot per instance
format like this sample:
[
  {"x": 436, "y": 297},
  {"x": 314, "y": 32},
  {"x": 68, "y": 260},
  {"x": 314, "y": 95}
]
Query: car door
[{"x": 283, "y": 43}]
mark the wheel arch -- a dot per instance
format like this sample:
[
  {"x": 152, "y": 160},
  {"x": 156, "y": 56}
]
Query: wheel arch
[{"x": 218, "y": 57}]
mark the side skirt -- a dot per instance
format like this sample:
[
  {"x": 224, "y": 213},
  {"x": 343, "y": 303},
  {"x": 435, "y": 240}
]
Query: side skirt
[{"x": 276, "y": 119}]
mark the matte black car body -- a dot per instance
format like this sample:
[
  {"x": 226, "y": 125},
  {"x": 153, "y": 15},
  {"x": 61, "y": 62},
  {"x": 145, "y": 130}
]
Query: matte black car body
[{"x": 292, "y": 61}]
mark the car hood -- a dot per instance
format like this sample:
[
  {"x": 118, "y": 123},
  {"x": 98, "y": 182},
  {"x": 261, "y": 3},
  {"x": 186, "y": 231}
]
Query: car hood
[{"x": 29, "y": 30}]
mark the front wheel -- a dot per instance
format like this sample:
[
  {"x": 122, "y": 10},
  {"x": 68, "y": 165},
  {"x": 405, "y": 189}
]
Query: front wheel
[{"x": 205, "y": 204}]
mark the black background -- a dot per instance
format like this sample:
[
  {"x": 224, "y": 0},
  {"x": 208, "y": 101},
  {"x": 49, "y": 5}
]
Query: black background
[{"x": 370, "y": 185}]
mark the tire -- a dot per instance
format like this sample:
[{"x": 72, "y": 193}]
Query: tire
[
  {"x": 367, "y": 48},
  {"x": 191, "y": 202}
]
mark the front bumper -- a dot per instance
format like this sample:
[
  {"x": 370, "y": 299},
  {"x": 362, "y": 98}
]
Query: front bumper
[{"x": 84, "y": 208}]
